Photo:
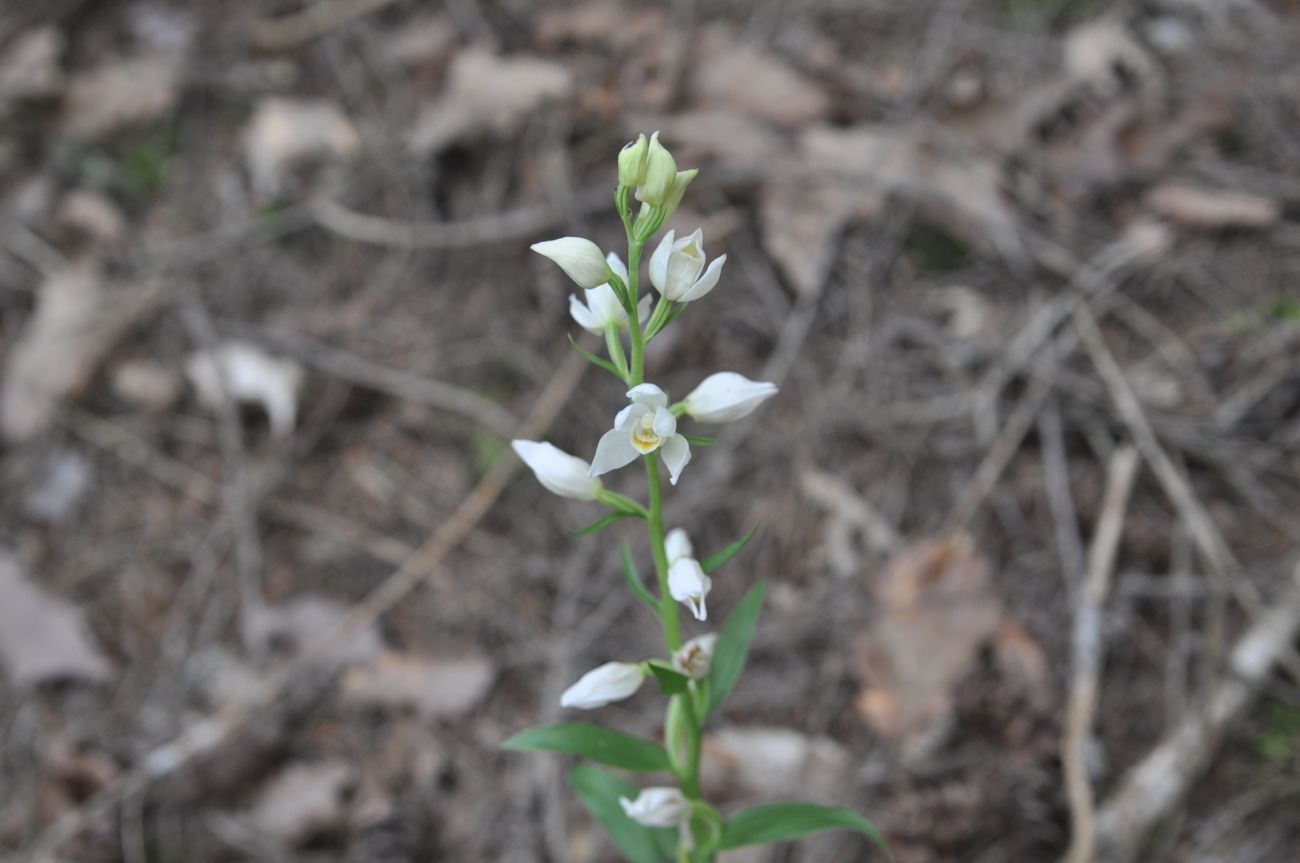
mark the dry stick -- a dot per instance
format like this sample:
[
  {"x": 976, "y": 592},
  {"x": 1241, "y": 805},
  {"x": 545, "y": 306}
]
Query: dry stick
[
  {"x": 1151, "y": 789},
  {"x": 1222, "y": 564},
  {"x": 1088, "y": 651},
  {"x": 205, "y": 735}
]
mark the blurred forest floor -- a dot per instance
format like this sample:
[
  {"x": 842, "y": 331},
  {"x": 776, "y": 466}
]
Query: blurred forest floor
[{"x": 1025, "y": 270}]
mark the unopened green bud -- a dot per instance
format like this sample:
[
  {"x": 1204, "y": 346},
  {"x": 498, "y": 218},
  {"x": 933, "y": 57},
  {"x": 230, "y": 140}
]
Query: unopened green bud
[
  {"x": 660, "y": 173},
  {"x": 678, "y": 189},
  {"x": 632, "y": 162}
]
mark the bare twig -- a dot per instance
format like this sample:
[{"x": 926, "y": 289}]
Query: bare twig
[
  {"x": 1088, "y": 652},
  {"x": 1151, "y": 789}
]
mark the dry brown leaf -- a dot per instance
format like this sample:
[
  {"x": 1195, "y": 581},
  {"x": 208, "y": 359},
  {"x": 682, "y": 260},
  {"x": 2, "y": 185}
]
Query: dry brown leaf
[
  {"x": 1022, "y": 662},
  {"x": 283, "y": 133},
  {"x": 761, "y": 759},
  {"x": 304, "y": 800},
  {"x": 58, "y": 352},
  {"x": 42, "y": 636},
  {"x": 802, "y": 223},
  {"x": 91, "y": 215},
  {"x": 718, "y": 134},
  {"x": 29, "y": 69},
  {"x": 122, "y": 93},
  {"x": 146, "y": 384},
  {"x": 433, "y": 686},
  {"x": 487, "y": 93},
  {"x": 762, "y": 85},
  {"x": 936, "y": 609},
  {"x": 1201, "y": 208},
  {"x": 296, "y": 626}
]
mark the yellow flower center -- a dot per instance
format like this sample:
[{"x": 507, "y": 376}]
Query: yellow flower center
[{"x": 643, "y": 436}]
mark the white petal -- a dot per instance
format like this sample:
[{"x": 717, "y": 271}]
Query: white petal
[
  {"x": 649, "y": 395},
  {"x": 612, "y": 681},
  {"x": 677, "y": 454},
  {"x": 605, "y": 306},
  {"x": 706, "y": 282},
  {"x": 580, "y": 259},
  {"x": 687, "y": 583},
  {"x": 726, "y": 397},
  {"x": 643, "y": 309},
  {"x": 614, "y": 450},
  {"x": 665, "y": 424},
  {"x": 659, "y": 262},
  {"x": 657, "y": 807},
  {"x": 584, "y": 317},
  {"x": 677, "y": 545},
  {"x": 616, "y": 264},
  {"x": 559, "y": 472},
  {"x": 629, "y": 416},
  {"x": 693, "y": 657}
]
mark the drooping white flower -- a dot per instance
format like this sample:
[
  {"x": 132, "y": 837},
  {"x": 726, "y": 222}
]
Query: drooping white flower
[
  {"x": 580, "y": 259},
  {"x": 611, "y": 682},
  {"x": 602, "y": 309},
  {"x": 693, "y": 657},
  {"x": 561, "y": 473},
  {"x": 641, "y": 428},
  {"x": 678, "y": 545},
  {"x": 676, "y": 267},
  {"x": 687, "y": 583},
  {"x": 657, "y": 807},
  {"x": 727, "y": 396}
]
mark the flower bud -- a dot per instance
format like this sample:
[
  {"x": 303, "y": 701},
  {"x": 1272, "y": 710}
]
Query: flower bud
[
  {"x": 693, "y": 657},
  {"x": 657, "y": 807},
  {"x": 687, "y": 583},
  {"x": 727, "y": 396},
  {"x": 580, "y": 259},
  {"x": 633, "y": 160},
  {"x": 611, "y": 682},
  {"x": 660, "y": 173},
  {"x": 561, "y": 473},
  {"x": 678, "y": 189}
]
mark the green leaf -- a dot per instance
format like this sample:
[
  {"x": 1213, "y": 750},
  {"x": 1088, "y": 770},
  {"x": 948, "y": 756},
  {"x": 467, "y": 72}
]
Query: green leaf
[
  {"x": 671, "y": 681},
  {"x": 700, "y": 441},
  {"x": 599, "y": 744},
  {"x": 733, "y": 646},
  {"x": 595, "y": 360},
  {"x": 601, "y": 524},
  {"x": 777, "y": 822},
  {"x": 633, "y": 579},
  {"x": 715, "y": 561},
  {"x": 599, "y": 792}
]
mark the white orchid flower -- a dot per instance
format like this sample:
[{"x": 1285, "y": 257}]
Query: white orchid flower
[
  {"x": 657, "y": 807},
  {"x": 676, "y": 267},
  {"x": 641, "y": 428},
  {"x": 726, "y": 396},
  {"x": 611, "y": 682},
  {"x": 602, "y": 309},
  {"x": 693, "y": 657},
  {"x": 678, "y": 545},
  {"x": 688, "y": 584},
  {"x": 561, "y": 473},
  {"x": 580, "y": 259}
]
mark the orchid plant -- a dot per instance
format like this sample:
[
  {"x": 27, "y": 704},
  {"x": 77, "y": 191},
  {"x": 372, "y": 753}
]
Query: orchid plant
[{"x": 665, "y": 822}]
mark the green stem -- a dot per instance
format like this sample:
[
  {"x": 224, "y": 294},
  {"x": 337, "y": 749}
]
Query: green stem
[
  {"x": 667, "y": 607},
  {"x": 636, "y": 372}
]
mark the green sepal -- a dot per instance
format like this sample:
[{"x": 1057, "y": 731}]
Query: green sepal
[
  {"x": 733, "y": 646},
  {"x": 700, "y": 441},
  {"x": 716, "y": 560},
  {"x": 671, "y": 681},
  {"x": 595, "y": 360},
  {"x": 633, "y": 579},
  {"x": 595, "y": 742},
  {"x": 777, "y": 822},
  {"x": 602, "y": 523},
  {"x": 599, "y": 792}
]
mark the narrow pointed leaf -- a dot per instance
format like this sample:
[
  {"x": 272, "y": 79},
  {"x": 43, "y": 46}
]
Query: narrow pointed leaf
[
  {"x": 671, "y": 681},
  {"x": 778, "y": 822},
  {"x": 700, "y": 441},
  {"x": 733, "y": 646},
  {"x": 595, "y": 360},
  {"x": 633, "y": 579},
  {"x": 715, "y": 561},
  {"x": 599, "y": 792},
  {"x": 601, "y": 524},
  {"x": 595, "y": 742}
]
